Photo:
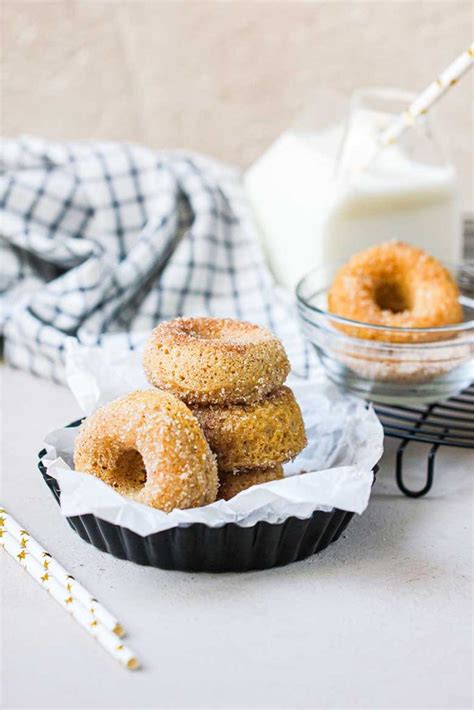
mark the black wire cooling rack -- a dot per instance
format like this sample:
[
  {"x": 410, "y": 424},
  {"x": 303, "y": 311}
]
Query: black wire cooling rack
[{"x": 449, "y": 423}]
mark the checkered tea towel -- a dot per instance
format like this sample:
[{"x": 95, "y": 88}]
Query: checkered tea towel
[{"x": 101, "y": 241}]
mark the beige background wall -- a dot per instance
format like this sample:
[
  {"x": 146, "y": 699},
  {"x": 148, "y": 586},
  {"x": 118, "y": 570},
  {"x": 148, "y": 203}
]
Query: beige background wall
[{"x": 220, "y": 77}]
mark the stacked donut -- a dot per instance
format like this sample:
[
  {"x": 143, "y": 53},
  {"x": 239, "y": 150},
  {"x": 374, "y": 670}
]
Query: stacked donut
[{"x": 231, "y": 374}]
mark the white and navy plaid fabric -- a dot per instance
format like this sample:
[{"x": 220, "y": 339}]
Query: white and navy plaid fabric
[{"x": 101, "y": 241}]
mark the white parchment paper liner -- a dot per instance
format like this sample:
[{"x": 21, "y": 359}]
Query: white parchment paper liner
[{"x": 345, "y": 442}]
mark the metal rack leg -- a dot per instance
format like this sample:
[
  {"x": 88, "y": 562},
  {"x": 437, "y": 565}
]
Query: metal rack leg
[
  {"x": 430, "y": 466},
  {"x": 429, "y": 472}
]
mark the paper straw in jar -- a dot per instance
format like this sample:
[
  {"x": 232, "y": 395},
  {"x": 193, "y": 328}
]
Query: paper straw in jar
[
  {"x": 106, "y": 638},
  {"x": 424, "y": 101},
  {"x": 27, "y": 542}
]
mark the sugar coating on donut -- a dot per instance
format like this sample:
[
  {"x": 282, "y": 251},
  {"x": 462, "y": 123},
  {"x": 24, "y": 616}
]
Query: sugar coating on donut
[
  {"x": 233, "y": 482},
  {"x": 215, "y": 360},
  {"x": 395, "y": 285},
  {"x": 256, "y": 435},
  {"x": 149, "y": 446}
]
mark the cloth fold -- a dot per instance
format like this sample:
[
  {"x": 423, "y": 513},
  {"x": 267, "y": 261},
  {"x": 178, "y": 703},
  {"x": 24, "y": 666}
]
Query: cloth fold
[{"x": 101, "y": 241}]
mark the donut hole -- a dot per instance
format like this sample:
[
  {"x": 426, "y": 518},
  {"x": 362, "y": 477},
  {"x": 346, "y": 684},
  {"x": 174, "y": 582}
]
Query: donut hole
[
  {"x": 223, "y": 330},
  {"x": 208, "y": 330},
  {"x": 391, "y": 296},
  {"x": 129, "y": 475}
]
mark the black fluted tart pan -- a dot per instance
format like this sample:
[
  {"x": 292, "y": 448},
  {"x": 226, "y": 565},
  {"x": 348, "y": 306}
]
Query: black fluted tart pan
[{"x": 200, "y": 548}]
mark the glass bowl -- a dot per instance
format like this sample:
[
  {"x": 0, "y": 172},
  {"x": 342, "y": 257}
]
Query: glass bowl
[{"x": 383, "y": 371}]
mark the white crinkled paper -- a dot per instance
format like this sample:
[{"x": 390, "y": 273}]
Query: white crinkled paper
[{"x": 345, "y": 442}]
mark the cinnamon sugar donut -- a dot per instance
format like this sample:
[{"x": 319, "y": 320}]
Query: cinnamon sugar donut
[
  {"x": 215, "y": 360},
  {"x": 395, "y": 285},
  {"x": 254, "y": 435},
  {"x": 149, "y": 446},
  {"x": 233, "y": 482}
]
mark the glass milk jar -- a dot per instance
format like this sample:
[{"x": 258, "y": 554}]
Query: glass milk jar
[{"x": 320, "y": 196}]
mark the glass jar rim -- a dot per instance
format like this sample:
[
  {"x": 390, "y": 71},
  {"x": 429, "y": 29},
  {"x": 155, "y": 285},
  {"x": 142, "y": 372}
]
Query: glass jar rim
[{"x": 304, "y": 301}]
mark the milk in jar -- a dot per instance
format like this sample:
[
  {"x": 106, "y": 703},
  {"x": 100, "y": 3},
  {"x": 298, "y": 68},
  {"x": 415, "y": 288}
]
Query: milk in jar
[{"x": 318, "y": 198}]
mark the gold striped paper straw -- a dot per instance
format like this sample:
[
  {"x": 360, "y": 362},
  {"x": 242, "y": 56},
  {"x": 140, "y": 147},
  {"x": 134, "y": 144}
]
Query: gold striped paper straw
[
  {"x": 27, "y": 542},
  {"x": 421, "y": 105},
  {"x": 106, "y": 638}
]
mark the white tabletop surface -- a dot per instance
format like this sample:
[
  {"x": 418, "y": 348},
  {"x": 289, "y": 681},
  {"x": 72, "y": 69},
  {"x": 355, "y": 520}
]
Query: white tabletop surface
[{"x": 381, "y": 619}]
